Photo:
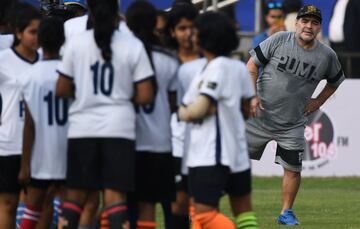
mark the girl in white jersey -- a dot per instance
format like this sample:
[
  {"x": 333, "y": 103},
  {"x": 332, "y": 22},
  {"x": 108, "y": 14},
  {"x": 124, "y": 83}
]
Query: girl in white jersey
[
  {"x": 179, "y": 29},
  {"x": 154, "y": 170},
  {"x": 14, "y": 61},
  {"x": 105, "y": 71},
  {"x": 44, "y": 145},
  {"x": 218, "y": 157}
]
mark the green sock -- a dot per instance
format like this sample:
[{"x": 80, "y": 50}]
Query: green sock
[{"x": 246, "y": 220}]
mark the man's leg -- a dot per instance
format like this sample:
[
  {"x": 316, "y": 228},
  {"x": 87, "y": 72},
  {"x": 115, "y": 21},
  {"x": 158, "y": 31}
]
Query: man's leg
[
  {"x": 290, "y": 187},
  {"x": 291, "y": 161}
]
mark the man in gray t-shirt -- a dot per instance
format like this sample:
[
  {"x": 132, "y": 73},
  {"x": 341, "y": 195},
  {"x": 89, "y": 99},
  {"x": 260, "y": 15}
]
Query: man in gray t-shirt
[{"x": 293, "y": 64}]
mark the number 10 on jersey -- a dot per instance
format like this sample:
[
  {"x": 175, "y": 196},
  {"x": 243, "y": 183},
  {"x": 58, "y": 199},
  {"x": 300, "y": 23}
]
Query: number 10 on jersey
[{"x": 103, "y": 77}]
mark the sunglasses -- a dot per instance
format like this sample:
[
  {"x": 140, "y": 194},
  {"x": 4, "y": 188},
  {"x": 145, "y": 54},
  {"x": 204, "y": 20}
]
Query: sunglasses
[{"x": 274, "y": 5}]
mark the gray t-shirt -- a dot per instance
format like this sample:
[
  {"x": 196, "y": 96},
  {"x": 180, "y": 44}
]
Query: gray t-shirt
[{"x": 290, "y": 76}]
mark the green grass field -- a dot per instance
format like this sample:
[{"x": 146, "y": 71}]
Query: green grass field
[{"x": 322, "y": 203}]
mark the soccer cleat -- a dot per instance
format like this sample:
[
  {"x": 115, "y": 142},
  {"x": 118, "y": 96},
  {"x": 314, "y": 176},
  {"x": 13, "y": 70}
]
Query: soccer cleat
[{"x": 288, "y": 218}]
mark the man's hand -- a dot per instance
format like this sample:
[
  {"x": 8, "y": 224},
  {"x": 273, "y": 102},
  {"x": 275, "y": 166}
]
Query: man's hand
[
  {"x": 254, "y": 104},
  {"x": 311, "y": 106}
]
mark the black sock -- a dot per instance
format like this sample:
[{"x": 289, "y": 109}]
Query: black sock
[
  {"x": 168, "y": 216},
  {"x": 132, "y": 210},
  {"x": 116, "y": 215},
  {"x": 181, "y": 222},
  {"x": 70, "y": 215}
]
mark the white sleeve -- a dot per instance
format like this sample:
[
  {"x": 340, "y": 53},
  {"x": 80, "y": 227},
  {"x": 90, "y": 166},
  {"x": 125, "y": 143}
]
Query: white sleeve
[
  {"x": 66, "y": 66},
  {"x": 213, "y": 83},
  {"x": 142, "y": 67}
]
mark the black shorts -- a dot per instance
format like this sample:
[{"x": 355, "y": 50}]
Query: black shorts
[
  {"x": 182, "y": 183},
  {"x": 289, "y": 159},
  {"x": 44, "y": 183},
  {"x": 9, "y": 171},
  {"x": 101, "y": 163},
  {"x": 155, "y": 180},
  {"x": 208, "y": 183}
]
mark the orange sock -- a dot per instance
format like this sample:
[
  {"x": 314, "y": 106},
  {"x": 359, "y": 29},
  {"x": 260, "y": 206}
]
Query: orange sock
[
  {"x": 145, "y": 224},
  {"x": 195, "y": 224},
  {"x": 104, "y": 221},
  {"x": 214, "y": 220}
]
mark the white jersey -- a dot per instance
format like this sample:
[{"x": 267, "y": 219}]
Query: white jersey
[
  {"x": 102, "y": 105},
  {"x": 153, "y": 131},
  {"x": 220, "y": 138},
  {"x": 48, "y": 159},
  {"x": 11, "y": 104},
  {"x": 6, "y": 41},
  {"x": 186, "y": 74},
  {"x": 181, "y": 130}
]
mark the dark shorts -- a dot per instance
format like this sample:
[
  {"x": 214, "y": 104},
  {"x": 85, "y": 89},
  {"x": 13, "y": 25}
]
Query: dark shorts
[
  {"x": 45, "y": 184},
  {"x": 181, "y": 180},
  {"x": 155, "y": 180},
  {"x": 9, "y": 171},
  {"x": 289, "y": 159},
  {"x": 207, "y": 184},
  {"x": 101, "y": 163},
  {"x": 290, "y": 144},
  {"x": 182, "y": 183}
]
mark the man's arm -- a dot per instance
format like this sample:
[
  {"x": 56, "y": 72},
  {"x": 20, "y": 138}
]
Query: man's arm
[
  {"x": 315, "y": 104},
  {"x": 253, "y": 70},
  {"x": 255, "y": 101}
]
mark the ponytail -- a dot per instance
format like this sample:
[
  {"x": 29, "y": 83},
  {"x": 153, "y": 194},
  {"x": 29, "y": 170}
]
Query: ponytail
[
  {"x": 104, "y": 14},
  {"x": 141, "y": 19}
]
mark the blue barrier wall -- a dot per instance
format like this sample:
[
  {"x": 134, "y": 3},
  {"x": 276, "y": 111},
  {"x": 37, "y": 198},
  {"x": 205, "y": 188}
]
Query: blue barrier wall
[{"x": 244, "y": 11}]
